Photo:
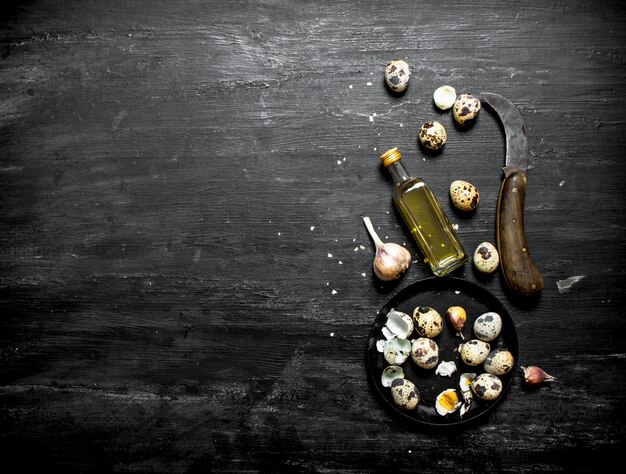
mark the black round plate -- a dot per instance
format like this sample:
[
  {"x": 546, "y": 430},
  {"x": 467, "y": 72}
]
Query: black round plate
[{"x": 441, "y": 293}]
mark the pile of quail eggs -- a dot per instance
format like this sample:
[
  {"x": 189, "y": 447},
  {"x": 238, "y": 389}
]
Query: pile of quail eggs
[{"x": 414, "y": 337}]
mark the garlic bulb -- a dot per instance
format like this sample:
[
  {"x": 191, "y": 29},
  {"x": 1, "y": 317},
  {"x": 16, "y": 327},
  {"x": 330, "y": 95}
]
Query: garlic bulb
[
  {"x": 534, "y": 375},
  {"x": 391, "y": 260}
]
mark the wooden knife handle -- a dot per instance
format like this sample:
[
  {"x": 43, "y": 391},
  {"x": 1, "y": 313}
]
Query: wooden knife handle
[{"x": 519, "y": 269}]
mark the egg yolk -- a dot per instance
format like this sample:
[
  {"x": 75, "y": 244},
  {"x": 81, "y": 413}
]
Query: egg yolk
[{"x": 449, "y": 400}]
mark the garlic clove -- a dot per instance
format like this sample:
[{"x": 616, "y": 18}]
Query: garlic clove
[
  {"x": 391, "y": 260},
  {"x": 534, "y": 375},
  {"x": 457, "y": 317}
]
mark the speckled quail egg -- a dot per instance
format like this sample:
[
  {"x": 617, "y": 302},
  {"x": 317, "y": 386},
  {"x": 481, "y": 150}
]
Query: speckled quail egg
[
  {"x": 499, "y": 362},
  {"x": 444, "y": 97},
  {"x": 488, "y": 326},
  {"x": 474, "y": 352},
  {"x": 397, "y": 351},
  {"x": 447, "y": 402},
  {"x": 464, "y": 195},
  {"x": 487, "y": 386},
  {"x": 425, "y": 352},
  {"x": 486, "y": 258},
  {"x": 427, "y": 321},
  {"x": 465, "y": 109},
  {"x": 391, "y": 373},
  {"x": 432, "y": 135},
  {"x": 397, "y": 75},
  {"x": 405, "y": 394}
]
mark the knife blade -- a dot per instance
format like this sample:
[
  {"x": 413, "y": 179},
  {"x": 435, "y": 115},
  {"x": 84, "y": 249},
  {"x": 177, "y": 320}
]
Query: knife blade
[{"x": 520, "y": 271}]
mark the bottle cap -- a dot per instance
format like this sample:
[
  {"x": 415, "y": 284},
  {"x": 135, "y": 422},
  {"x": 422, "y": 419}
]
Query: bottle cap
[{"x": 391, "y": 156}]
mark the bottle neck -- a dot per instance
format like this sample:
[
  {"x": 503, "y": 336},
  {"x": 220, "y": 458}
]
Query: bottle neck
[{"x": 398, "y": 172}]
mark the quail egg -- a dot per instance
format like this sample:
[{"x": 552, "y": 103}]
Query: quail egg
[
  {"x": 474, "y": 352},
  {"x": 432, "y": 135},
  {"x": 486, "y": 258},
  {"x": 397, "y": 351},
  {"x": 397, "y": 75},
  {"x": 499, "y": 362},
  {"x": 425, "y": 352},
  {"x": 464, "y": 195},
  {"x": 488, "y": 326},
  {"x": 444, "y": 97},
  {"x": 391, "y": 373},
  {"x": 487, "y": 386},
  {"x": 465, "y": 109},
  {"x": 405, "y": 394},
  {"x": 447, "y": 402},
  {"x": 427, "y": 321}
]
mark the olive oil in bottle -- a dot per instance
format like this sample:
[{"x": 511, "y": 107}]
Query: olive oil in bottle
[{"x": 425, "y": 218}]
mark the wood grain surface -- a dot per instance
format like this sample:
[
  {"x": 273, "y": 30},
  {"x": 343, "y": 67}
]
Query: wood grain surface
[{"x": 185, "y": 278}]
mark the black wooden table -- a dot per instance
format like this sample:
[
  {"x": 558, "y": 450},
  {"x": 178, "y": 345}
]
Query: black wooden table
[{"x": 185, "y": 278}]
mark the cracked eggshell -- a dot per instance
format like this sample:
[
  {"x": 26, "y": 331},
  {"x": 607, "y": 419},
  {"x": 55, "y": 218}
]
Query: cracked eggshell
[
  {"x": 391, "y": 373},
  {"x": 397, "y": 351},
  {"x": 464, "y": 195},
  {"x": 399, "y": 323},
  {"x": 488, "y": 326},
  {"x": 499, "y": 362},
  {"x": 427, "y": 321},
  {"x": 432, "y": 135},
  {"x": 405, "y": 394},
  {"x": 465, "y": 109},
  {"x": 486, "y": 258},
  {"x": 487, "y": 386},
  {"x": 446, "y": 369},
  {"x": 425, "y": 352},
  {"x": 397, "y": 75},
  {"x": 474, "y": 352}
]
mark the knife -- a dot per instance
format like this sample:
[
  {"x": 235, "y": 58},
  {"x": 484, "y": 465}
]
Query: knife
[{"x": 519, "y": 270}]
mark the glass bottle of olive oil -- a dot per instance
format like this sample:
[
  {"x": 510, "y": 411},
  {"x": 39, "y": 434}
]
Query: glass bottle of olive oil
[{"x": 425, "y": 218}]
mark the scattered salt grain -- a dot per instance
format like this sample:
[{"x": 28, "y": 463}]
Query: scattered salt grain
[
  {"x": 334, "y": 292},
  {"x": 330, "y": 255}
]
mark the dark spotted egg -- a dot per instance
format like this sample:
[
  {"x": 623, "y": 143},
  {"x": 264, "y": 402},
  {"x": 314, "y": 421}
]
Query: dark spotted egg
[
  {"x": 465, "y": 109},
  {"x": 488, "y": 326},
  {"x": 432, "y": 135},
  {"x": 397, "y": 75},
  {"x": 404, "y": 394},
  {"x": 464, "y": 195},
  {"x": 487, "y": 386},
  {"x": 425, "y": 352}
]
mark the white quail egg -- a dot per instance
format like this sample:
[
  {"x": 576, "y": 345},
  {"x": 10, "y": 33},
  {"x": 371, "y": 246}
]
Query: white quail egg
[
  {"x": 399, "y": 323},
  {"x": 425, "y": 352},
  {"x": 447, "y": 402},
  {"x": 464, "y": 195},
  {"x": 499, "y": 362},
  {"x": 465, "y": 109},
  {"x": 397, "y": 351},
  {"x": 487, "y": 386},
  {"x": 432, "y": 135},
  {"x": 427, "y": 321},
  {"x": 488, "y": 326},
  {"x": 397, "y": 75},
  {"x": 444, "y": 97},
  {"x": 391, "y": 373},
  {"x": 474, "y": 352},
  {"x": 486, "y": 258},
  {"x": 405, "y": 394}
]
